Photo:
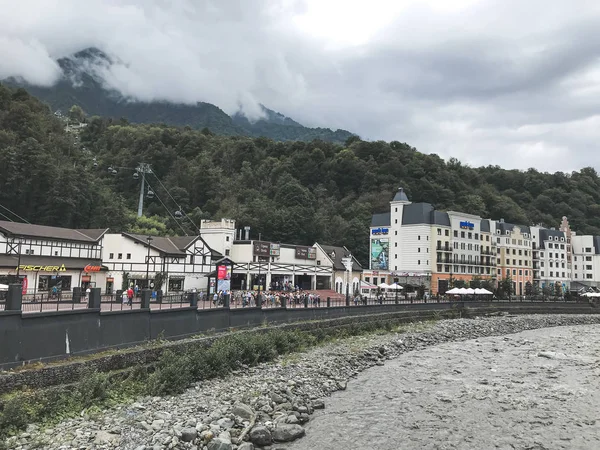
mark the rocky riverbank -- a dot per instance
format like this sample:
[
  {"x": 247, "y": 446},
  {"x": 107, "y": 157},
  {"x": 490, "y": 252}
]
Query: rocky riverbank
[{"x": 263, "y": 406}]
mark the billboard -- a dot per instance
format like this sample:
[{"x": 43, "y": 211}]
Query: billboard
[
  {"x": 261, "y": 248},
  {"x": 306, "y": 253},
  {"x": 380, "y": 253},
  {"x": 224, "y": 278}
]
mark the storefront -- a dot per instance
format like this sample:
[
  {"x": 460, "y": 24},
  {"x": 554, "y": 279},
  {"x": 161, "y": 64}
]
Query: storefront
[{"x": 39, "y": 274}]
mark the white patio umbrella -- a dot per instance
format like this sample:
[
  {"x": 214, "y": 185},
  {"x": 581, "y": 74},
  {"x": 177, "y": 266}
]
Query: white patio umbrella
[
  {"x": 384, "y": 286},
  {"x": 482, "y": 291},
  {"x": 396, "y": 286},
  {"x": 469, "y": 291},
  {"x": 453, "y": 291},
  {"x": 462, "y": 291}
]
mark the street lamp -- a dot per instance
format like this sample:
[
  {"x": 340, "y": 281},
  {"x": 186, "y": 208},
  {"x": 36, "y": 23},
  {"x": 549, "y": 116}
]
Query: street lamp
[{"x": 149, "y": 239}]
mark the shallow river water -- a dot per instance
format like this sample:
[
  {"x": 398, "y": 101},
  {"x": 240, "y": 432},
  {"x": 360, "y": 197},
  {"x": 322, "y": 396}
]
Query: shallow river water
[{"x": 537, "y": 389}]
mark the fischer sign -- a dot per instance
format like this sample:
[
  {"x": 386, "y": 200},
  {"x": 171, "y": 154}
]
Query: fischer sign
[{"x": 62, "y": 268}]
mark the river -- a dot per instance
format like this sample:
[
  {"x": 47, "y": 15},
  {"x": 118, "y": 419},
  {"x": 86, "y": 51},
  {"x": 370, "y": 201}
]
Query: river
[{"x": 533, "y": 390}]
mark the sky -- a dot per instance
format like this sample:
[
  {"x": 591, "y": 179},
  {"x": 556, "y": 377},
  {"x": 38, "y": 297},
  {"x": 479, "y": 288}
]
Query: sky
[{"x": 504, "y": 82}]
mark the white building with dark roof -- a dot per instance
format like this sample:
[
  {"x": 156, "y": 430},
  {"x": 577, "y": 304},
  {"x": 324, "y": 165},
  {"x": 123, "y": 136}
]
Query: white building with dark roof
[
  {"x": 44, "y": 257},
  {"x": 182, "y": 262}
]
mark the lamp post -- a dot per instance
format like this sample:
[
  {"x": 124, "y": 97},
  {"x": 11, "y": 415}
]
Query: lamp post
[
  {"x": 149, "y": 239},
  {"x": 348, "y": 265}
]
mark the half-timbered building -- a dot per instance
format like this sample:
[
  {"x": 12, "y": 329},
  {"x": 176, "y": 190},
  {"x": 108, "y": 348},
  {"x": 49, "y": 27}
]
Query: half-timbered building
[{"x": 171, "y": 264}]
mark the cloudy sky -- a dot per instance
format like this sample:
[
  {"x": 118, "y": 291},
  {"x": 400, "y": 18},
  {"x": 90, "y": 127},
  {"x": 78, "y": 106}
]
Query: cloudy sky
[{"x": 508, "y": 82}]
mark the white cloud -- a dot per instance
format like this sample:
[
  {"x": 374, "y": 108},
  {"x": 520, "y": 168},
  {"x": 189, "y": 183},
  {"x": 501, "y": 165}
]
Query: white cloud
[{"x": 488, "y": 81}]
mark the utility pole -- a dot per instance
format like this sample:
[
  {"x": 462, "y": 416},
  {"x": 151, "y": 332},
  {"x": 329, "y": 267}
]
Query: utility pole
[
  {"x": 149, "y": 239},
  {"x": 143, "y": 169}
]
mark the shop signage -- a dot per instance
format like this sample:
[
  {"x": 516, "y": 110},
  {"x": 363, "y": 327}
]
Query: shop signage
[
  {"x": 262, "y": 248},
  {"x": 467, "y": 225},
  {"x": 86, "y": 279},
  {"x": 222, "y": 272},
  {"x": 25, "y": 284},
  {"x": 275, "y": 249},
  {"x": 90, "y": 268},
  {"x": 62, "y": 268},
  {"x": 306, "y": 253},
  {"x": 379, "y": 231}
]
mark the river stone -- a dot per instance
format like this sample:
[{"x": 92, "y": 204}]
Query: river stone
[
  {"x": 188, "y": 434},
  {"x": 287, "y": 433},
  {"x": 318, "y": 404},
  {"x": 246, "y": 446},
  {"x": 275, "y": 397},
  {"x": 225, "y": 423},
  {"x": 260, "y": 435},
  {"x": 242, "y": 410},
  {"x": 219, "y": 444}
]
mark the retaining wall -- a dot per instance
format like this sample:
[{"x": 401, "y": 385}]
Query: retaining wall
[{"x": 54, "y": 335}]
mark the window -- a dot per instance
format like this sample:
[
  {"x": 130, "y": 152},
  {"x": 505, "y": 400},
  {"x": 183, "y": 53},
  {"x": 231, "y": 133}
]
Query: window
[
  {"x": 520, "y": 252},
  {"x": 419, "y": 238},
  {"x": 514, "y": 272},
  {"x": 227, "y": 252},
  {"x": 514, "y": 251},
  {"x": 549, "y": 245},
  {"x": 455, "y": 233},
  {"x": 367, "y": 279},
  {"x": 551, "y": 264},
  {"x": 588, "y": 276},
  {"x": 526, "y": 272},
  {"x": 542, "y": 273},
  {"x": 396, "y": 210},
  {"x": 227, "y": 238},
  {"x": 111, "y": 256},
  {"x": 27, "y": 251},
  {"x": 588, "y": 250},
  {"x": 447, "y": 233},
  {"x": 477, "y": 236},
  {"x": 562, "y": 246},
  {"x": 55, "y": 253},
  {"x": 396, "y": 233},
  {"x": 462, "y": 234},
  {"x": 470, "y": 235},
  {"x": 120, "y": 256},
  {"x": 439, "y": 231},
  {"x": 520, "y": 262},
  {"x": 419, "y": 250},
  {"x": 396, "y": 256},
  {"x": 563, "y": 274},
  {"x": 395, "y": 244},
  {"x": 128, "y": 255},
  {"x": 588, "y": 267},
  {"x": 419, "y": 262},
  {"x": 520, "y": 272},
  {"x": 551, "y": 273},
  {"x": 575, "y": 266},
  {"x": 395, "y": 220},
  {"x": 588, "y": 258},
  {"x": 542, "y": 264}
]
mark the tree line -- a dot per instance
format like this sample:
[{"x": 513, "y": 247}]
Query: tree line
[{"x": 292, "y": 192}]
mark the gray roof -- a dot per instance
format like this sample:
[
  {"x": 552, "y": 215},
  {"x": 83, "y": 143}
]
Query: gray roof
[
  {"x": 441, "y": 218},
  {"x": 337, "y": 253},
  {"x": 423, "y": 213},
  {"x": 400, "y": 196},
  {"x": 485, "y": 226},
  {"x": 505, "y": 226},
  {"x": 381, "y": 220},
  {"x": 169, "y": 245},
  {"x": 44, "y": 232},
  {"x": 597, "y": 245},
  {"x": 546, "y": 233}
]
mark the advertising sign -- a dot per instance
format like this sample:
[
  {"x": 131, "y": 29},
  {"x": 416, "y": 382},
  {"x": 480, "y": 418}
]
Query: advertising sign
[
  {"x": 275, "y": 249},
  {"x": 62, "y": 268},
  {"x": 380, "y": 253},
  {"x": 312, "y": 253},
  {"x": 467, "y": 225},
  {"x": 378, "y": 231},
  {"x": 224, "y": 278},
  {"x": 90, "y": 268},
  {"x": 262, "y": 248},
  {"x": 25, "y": 284},
  {"x": 301, "y": 252}
]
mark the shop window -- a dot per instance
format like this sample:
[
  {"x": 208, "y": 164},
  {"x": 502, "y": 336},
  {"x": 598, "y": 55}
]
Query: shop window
[{"x": 175, "y": 284}]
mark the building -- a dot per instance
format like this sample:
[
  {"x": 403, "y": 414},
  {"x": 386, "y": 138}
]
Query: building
[
  {"x": 45, "y": 257},
  {"x": 551, "y": 253},
  {"x": 515, "y": 256},
  {"x": 171, "y": 264},
  {"x": 416, "y": 245},
  {"x": 344, "y": 280},
  {"x": 586, "y": 261}
]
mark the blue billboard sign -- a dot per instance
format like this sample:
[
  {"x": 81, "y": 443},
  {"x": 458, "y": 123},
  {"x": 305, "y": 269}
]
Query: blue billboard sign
[
  {"x": 378, "y": 231},
  {"x": 467, "y": 225}
]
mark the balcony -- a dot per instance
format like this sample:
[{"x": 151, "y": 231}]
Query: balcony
[
  {"x": 443, "y": 248},
  {"x": 442, "y": 260}
]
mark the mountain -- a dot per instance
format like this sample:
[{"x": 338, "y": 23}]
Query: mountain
[{"x": 82, "y": 84}]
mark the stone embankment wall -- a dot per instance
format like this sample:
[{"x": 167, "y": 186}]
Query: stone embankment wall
[{"x": 51, "y": 336}]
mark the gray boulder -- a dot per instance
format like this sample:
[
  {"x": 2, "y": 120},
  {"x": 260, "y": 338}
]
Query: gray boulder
[
  {"x": 260, "y": 436},
  {"x": 242, "y": 410},
  {"x": 188, "y": 434},
  {"x": 246, "y": 446},
  {"x": 219, "y": 444},
  {"x": 287, "y": 433}
]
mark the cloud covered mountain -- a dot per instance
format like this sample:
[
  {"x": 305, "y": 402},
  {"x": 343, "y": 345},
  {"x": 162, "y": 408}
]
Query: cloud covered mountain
[{"x": 84, "y": 82}]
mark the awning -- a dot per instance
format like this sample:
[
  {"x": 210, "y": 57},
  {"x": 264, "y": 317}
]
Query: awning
[{"x": 36, "y": 263}]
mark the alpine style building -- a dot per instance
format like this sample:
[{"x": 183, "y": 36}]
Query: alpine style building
[{"x": 417, "y": 245}]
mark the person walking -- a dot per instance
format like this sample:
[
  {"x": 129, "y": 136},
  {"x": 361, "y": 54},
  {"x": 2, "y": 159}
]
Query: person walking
[{"x": 130, "y": 296}]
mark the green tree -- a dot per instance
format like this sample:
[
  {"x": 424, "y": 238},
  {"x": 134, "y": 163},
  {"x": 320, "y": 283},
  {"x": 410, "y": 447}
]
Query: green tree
[{"x": 76, "y": 114}]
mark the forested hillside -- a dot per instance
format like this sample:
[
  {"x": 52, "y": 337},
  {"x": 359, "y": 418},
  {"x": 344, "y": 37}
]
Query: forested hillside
[{"x": 297, "y": 192}]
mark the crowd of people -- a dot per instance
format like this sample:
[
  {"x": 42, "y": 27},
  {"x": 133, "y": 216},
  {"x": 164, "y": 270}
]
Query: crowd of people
[{"x": 291, "y": 297}]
